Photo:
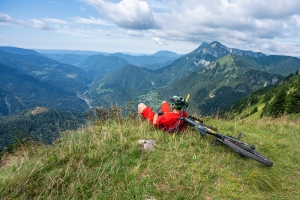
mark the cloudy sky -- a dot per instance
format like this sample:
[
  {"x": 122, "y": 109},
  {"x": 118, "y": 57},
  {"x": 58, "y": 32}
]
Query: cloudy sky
[{"x": 147, "y": 26}]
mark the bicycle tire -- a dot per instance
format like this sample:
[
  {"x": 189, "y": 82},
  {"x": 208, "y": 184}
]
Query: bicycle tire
[{"x": 255, "y": 155}]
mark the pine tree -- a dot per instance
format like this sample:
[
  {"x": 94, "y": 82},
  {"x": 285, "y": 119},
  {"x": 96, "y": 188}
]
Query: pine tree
[
  {"x": 277, "y": 107},
  {"x": 293, "y": 99}
]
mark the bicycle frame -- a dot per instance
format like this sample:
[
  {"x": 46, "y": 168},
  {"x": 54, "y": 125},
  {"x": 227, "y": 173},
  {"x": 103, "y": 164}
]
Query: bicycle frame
[
  {"x": 203, "y": 129},
  {"x": 243, "y": 149}
]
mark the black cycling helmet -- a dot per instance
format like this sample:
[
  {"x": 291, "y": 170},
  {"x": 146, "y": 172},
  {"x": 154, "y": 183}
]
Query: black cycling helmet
[{"x": 177, "y": 101}]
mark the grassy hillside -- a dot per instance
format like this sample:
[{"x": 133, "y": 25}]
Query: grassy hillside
[
  {"x": 103, "y": 161},
  {"x": 274, "y": 101}
]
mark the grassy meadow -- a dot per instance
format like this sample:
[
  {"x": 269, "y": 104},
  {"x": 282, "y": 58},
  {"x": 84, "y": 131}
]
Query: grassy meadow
[{"x": 103, "y": 161}]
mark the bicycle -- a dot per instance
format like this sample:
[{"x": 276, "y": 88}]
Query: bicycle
[{"x": 242, "y": 148}]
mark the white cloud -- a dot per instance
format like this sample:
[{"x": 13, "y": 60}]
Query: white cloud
[
  {"x": 55, "y": 21},
  {"x": 134, "y": 33},
  {"x": 240, "y": 23},
  {"x": 60, "y": 26},
  {"x": 160, "y": 41},
  {"x": 131, "y": 14},
  {"x": 33, "y": 23},
  {"x": 6, "y": 18},
  {"x": 91, "y": 20},
  {"x": 257, "y": 25},
  {"x": 266, "y": 9}
]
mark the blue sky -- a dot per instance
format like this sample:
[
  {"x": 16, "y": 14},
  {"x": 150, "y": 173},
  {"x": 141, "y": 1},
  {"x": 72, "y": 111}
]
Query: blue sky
[{"x": 147, "y": 26}]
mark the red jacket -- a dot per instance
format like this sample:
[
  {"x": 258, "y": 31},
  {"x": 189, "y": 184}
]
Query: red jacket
[{"x": 170, "y": 119}]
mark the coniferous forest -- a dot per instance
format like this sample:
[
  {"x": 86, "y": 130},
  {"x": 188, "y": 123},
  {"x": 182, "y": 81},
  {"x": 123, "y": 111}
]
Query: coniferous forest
[
  {"x": 273, "y": 101},
  {"x": 43, "y": 127}
]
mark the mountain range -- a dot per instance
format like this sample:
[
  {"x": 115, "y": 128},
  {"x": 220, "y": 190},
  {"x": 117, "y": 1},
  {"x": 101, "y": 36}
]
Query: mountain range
[
  {"x": 210, "y": 73},
  {"x": 19, "y": 91},
  {"x": 216, "y": 77}
]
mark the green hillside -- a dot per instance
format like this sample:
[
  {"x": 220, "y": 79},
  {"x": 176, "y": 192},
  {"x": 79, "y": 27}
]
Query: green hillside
[
  {"x": 99, "y": 65},
  {"x": 215, "y": 75},
  {"x": 221, "y": 83},
  {"x": 239, "y": 74},
  {"x": 20, "y": 51},
  {"x": 283, "y": 65},
  {"x": 103, "y": 161},
  {"x": 39, "y": 124},
  {"x": 64, "y": 76},
  {"x": 19, "y": 91},
  {"x": 275, "y": 101},
  {"x": 11, "y": 104},
  {"x": 121, "y": 86}
]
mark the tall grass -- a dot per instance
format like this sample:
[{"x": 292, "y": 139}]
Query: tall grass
[{"x": 103, "y": 161}]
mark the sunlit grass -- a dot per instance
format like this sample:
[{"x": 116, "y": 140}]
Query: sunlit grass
[{"x": 103, "y": 161}]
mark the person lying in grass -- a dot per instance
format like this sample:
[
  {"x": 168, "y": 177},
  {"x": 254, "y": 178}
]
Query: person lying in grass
[{"x": 168, "y": 117}]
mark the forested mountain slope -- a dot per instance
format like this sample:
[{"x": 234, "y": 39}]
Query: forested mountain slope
[
  {"x": 67, "y": 76},
  {"x": 39, "y": 124},
  {"x": 221, "y": 83},
  {"x": 273, "y": 101},
  {"x": 19, "y": 91},
  {"x": 283, "y": 65},
  {"x": 99, "y": 65},
  {"x": 122, "y": 85}
]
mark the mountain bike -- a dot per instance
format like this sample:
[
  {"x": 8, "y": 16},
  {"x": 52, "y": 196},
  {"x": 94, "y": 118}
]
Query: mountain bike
[{"x": 242, "y": 148}]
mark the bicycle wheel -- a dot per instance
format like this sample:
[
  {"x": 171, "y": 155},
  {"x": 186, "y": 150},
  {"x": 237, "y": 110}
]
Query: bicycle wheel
[{"x": 247, "y": 151}]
